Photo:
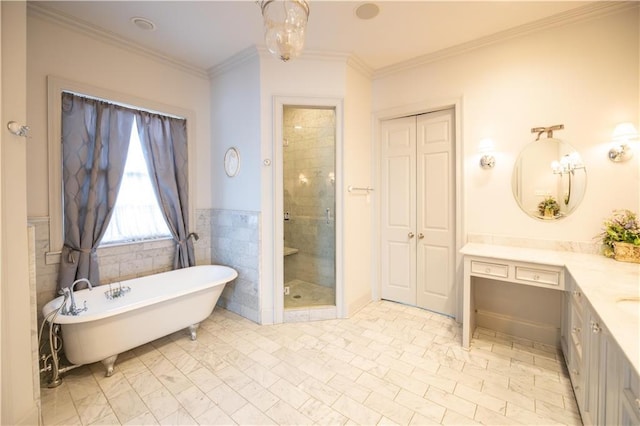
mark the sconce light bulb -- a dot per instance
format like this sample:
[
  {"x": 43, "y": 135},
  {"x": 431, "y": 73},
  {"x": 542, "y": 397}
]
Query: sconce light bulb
[{"x": 487, "y": 161}]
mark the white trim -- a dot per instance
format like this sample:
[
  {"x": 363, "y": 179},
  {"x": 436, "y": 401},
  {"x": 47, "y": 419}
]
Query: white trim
[
  {"x": 55, "y": 87},
  {"x": 40, "y": 10},
  {"x": 592, "y": 10},
  {"x": 403, "y": 111},
  {"x": 278, "y": 227}
]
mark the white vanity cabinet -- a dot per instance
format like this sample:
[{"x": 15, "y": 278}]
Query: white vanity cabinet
[
  {"x": 604, "y": 383},
  {"x": 572, "y": 336},
  {"x": 629, "y": 413},
  {"x": 602, "y": 357}
]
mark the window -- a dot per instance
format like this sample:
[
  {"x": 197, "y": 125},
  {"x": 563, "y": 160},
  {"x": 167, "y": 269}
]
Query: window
[
  {"x": 136, "y": 215},
  {"x": 56, "y": 86}
]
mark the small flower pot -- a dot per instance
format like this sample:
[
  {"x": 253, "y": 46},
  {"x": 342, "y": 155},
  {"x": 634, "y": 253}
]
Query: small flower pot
[{"x": 626, "y": 252}]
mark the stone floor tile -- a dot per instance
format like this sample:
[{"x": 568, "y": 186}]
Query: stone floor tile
[
  {"x": 127, "y": 405},
  {"x": 290, "y": 393},
  {"x": 389, "y": 363},
  {"x": 451, "y": 401},
  {"x": 355, "y": 411},
  {"x": 259, "y": 396},
  {"x": 250, "y": 415},
  {"x": 215, "y": 416},
  {"x": 284, "y": 414},
  {"x": 321, "y": 413},
  {"x": 161, "y": 403},
  {"x": 194, "y": 401},
  {"x": 388, "y": 408},
  {"x": 179, "y": 418},
  {"x": 143, "y": 419},
  {"x": 427, "y": 409},
  {"x": 226, "y": 398}
]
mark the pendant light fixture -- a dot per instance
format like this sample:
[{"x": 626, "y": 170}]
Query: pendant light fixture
[{"x": 285, "y": 22}]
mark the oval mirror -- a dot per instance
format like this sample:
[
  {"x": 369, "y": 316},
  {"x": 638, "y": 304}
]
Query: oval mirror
[{"x": 549, "y": 179}]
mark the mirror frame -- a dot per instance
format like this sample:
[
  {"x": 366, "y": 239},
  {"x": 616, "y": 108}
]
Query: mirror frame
[{"x": 566, "y": 181}]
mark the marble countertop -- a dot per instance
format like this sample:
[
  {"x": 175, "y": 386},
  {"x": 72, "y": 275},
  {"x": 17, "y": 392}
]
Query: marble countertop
[{"x": 603, "y": 281}]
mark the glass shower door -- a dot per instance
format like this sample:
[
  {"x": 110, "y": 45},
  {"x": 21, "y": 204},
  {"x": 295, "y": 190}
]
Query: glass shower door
[{"x": 309, "y": 206}]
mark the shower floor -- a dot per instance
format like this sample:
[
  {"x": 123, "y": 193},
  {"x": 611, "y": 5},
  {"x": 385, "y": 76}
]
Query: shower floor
[{"x": 303, "y": 294}]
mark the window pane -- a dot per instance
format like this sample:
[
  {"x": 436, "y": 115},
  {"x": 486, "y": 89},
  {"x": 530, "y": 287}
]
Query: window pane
[{"x": 136, "y": 215}]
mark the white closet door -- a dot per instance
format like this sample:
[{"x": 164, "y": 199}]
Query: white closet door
[
  {"x": 436, "y": 212},
  {"x": 418, "y": 211},
  {"x": 398, "y": 215}
]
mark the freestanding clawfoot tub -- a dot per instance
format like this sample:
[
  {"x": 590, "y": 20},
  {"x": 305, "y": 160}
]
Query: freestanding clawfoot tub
[{"x": 122, "y": 316}]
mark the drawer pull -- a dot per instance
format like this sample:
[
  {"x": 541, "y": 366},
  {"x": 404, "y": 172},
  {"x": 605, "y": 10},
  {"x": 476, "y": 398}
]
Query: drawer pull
[
  {"x": 491, "y": 269},
  {"x": 538, "y": 276},
  {"x": 595, "y": 327},
  {"x": 577, "y": 330}
]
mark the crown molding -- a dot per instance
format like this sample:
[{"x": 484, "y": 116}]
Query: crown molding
[
  {"x": 592, "y": 10},
  {"x": 261, "y": 52},
  {"x": 234, "y": 61},
  {"x": 358, "y": 64},
  {"x": 41, "y": 11}
]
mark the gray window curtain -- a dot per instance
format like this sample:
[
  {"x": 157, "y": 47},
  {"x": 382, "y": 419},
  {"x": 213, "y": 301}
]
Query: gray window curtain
[
  {"x": 164, "y": 143},
  {"x": 95, "y": 140}
]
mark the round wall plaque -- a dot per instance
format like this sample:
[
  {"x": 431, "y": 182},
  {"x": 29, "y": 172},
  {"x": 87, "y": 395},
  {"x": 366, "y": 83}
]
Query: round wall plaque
[{"x": 232, "y": 162}]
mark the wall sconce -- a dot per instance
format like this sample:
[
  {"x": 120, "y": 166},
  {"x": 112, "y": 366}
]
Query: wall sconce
[
  {"x": 486, "y": 148},
  {"x": 622, "y": 135},
  {"x": 285, "y": 22},
  {"x": 567, "y": 164}
]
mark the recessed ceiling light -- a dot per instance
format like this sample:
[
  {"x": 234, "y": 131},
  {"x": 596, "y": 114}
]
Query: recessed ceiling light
[
  {"x": 143, "y": 23},
  {"x": 367, "y": 11}
]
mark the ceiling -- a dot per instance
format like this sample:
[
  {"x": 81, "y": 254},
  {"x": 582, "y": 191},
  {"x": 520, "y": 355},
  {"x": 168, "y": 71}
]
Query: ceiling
[{"x": 203, "y": 34}]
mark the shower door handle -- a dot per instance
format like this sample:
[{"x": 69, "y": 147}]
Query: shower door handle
[{"x": 328, "y": 215}]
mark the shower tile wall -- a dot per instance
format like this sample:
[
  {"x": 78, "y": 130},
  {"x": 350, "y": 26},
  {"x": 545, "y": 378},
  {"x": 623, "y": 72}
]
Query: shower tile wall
[
  {"x": 309, "y": 189},
  {"x": 122, "y": 262}
]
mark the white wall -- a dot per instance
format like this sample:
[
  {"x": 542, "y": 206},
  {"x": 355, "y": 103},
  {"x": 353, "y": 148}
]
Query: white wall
[
  {"x": 54, "y": 49},
  {"x": 304, "y": 78},
  {"x": 18, "y": 398},
  {"x": 238, "y": 119},
  {"x": 235, "y": 121},
  {"x": 584, "y": 75},
  {"x": 358, "y": 218}
]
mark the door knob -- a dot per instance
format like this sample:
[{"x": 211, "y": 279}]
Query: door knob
[
  {"x": 411, "y": 235},
  {"x": 421, "y": 235}
]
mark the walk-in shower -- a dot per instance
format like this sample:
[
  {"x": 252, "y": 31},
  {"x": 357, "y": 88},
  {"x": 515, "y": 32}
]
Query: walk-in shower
[{"x": 309, "y": 206}]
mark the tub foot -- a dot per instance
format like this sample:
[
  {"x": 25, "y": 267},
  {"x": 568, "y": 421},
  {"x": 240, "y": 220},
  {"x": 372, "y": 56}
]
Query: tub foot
[
  {"x": 192, "y": 330},
  {"x": 108, "y": 364}
]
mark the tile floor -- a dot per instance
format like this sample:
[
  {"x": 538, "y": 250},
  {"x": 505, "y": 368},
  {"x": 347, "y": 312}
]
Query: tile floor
[
  {"x": 388, "y": 364},
  {"x": 305, "y": 294}
]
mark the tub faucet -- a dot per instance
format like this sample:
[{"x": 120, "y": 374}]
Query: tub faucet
[{"x": 73, "y": 309}]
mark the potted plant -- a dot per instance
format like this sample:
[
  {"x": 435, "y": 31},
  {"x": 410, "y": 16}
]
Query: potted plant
[
  {"x": 548, "y": 207},
  {"x": 621, "y": 236}
]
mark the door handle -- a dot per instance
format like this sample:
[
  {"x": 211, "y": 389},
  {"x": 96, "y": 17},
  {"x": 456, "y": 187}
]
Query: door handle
[
  {"x": 411, "y": 235},
  {"x": 421, "y": 235}
]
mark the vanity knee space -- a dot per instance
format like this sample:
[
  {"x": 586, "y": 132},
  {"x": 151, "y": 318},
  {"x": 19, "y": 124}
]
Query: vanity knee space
[{"x": 596, "y": 303}]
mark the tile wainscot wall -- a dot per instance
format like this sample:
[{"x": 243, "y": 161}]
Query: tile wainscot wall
[{"x": 226, "y": 237}]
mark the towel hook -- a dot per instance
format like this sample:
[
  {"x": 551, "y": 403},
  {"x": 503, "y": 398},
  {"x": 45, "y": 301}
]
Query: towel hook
[{"x": 18, "y": 129}]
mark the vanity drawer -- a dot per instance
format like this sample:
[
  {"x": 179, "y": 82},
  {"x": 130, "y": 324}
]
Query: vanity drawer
[
  {"x": 490, "y": 269},
  {"x": 539, "y": 276}
]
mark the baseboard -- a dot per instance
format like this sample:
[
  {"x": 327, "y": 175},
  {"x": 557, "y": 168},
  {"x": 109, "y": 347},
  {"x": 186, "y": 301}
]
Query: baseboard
[
  {"x": 536, "y": 331},
  {"x": 357, "y": 304},
  {"x": 31, "y": 418}
]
